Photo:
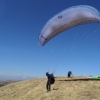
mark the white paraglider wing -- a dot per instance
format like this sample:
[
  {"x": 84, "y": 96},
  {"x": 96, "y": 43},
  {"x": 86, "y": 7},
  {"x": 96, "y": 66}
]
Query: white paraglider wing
[{"x": 68, "y": 18}]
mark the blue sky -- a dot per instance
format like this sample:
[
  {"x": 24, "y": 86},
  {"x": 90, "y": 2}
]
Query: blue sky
[{"x": 21, "y": 21}]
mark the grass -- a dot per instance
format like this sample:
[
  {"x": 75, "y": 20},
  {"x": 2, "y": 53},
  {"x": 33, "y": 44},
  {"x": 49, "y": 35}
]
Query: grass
[{"x": 76, "y": 88}]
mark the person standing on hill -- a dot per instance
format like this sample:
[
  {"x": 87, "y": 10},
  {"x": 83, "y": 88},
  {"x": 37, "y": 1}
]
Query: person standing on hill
[
  {"x": 51, "y": 80},
  {"x": 69, "y": 74}
]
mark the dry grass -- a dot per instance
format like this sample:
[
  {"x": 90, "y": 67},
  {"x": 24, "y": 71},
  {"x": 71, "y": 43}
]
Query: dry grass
[{"x": 63, "y": 89}]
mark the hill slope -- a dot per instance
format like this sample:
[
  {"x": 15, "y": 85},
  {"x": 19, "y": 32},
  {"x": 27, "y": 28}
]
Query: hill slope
[{"x": 64, "y": 89}]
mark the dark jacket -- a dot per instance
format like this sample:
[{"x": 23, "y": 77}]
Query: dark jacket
[{"x": 51, "y": 78}]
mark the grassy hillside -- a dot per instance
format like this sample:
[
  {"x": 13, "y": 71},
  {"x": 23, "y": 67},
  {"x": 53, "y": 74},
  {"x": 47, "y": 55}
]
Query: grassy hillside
[{"x": 64, "y": 88}]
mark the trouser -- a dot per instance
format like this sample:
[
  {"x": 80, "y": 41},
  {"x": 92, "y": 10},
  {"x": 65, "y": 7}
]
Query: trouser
[{"x": 48, "y": 85}]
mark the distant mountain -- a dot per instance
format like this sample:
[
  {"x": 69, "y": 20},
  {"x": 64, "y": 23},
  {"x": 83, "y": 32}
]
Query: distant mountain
[
  {"x": 14, "y": 78},
  {"x": 3, "y": 83}
]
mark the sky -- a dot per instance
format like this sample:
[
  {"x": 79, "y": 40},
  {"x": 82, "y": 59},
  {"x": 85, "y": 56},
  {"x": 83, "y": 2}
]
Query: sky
[{"x": 21, "y": 21}]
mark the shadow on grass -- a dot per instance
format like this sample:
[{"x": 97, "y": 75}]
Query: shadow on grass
[
  {"x": 55, "y": 88},
  {"x": 85, "y": 79}
]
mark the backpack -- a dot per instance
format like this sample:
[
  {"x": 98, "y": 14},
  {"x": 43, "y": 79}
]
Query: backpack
[{"x": 52, "y": 80}]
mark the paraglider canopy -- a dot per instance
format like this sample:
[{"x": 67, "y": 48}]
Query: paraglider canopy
[{"x": 67, "y": 19}]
